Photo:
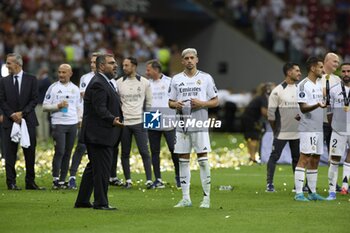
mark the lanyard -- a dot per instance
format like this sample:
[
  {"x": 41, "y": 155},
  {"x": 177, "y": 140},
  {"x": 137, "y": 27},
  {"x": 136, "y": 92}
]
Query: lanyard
[
  {"x": 327, "y": 91},
  {"x": 346, "y": 97}
]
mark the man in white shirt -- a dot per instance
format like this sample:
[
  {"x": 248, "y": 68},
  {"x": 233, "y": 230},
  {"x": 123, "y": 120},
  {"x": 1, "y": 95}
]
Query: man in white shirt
[
  {"x": 160, "y": 86},
  {"x": 135, "y": 95},
  {"x": 339, "y": 117},
  {"x": 310, "y": 100},
  {"x": 62, "y": 99},
  {"x": 282, "y": 114},
  {"x": 191, "y": 93}
]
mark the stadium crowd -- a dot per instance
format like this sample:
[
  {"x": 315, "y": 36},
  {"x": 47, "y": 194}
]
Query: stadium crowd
[
  {"x": 71, "y": 30},
  {"x": 293, "y": 29}
]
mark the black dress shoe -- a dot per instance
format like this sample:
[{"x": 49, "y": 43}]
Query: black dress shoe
[
  {"x": 13, "y": 187},
  {"x": 34, "y": 186},
  {"x": 104, "y": 208},
  {"x": 82, "y": 205}
]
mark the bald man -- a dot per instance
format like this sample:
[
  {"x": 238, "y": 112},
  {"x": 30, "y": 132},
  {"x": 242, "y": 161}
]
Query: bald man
[
  {"x": 62, "y": 100},
  {"x": 18, "y": 98},
  {"x": 329, "y": 79}
]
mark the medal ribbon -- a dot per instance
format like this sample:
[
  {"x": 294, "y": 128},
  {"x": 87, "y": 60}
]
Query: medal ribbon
[
  {"x": 346, "y": 96},
  {"x": 328, "y": 97}
]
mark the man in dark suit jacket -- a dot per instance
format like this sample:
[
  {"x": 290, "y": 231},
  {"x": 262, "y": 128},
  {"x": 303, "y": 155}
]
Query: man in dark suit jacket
[
  {"x": 18, "y": 98},
  {"x": 101, "y": 129}
]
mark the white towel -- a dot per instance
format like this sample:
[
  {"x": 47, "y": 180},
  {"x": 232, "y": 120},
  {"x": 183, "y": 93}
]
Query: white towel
[{"x": 19, "y": 134}]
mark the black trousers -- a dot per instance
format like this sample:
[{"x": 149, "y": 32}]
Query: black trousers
[
  {"x": 277, "y": 148},
  {"x": 96, "y": 175},
  {"x": 11, "y": 149},
  {"x": 79, "y": 151},
  {"x": 155, "y": 137},
  {"x": 142, "y": 144}
]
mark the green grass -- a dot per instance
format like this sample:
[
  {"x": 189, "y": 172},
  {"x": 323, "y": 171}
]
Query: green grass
[{"x": 248, "y": 208}]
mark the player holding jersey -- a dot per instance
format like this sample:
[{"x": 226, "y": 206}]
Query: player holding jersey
[
  {"x": 339, "y": 116},
  {"x": 62, "y": 99},
  {"x": 310, "y": 100},
  {"x": 191, "y": 93}
]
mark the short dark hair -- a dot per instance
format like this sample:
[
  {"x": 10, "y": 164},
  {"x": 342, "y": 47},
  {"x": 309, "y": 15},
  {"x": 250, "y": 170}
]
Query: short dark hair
[
  {"x": 155, "y": 65},
  {"x": 345, "y": 64},
  {"x": 312, "y": 61},
  {"x": 132, "y": 60},
  {"x": 288, "y": 66},
  {"x": 101, "y": 59}
]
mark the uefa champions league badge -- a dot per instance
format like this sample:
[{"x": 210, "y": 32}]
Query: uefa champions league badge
[
  {"x": 333, "y": 150},
  {"x": 302, "y": 94},
  {"x": 313, "y": 148}
]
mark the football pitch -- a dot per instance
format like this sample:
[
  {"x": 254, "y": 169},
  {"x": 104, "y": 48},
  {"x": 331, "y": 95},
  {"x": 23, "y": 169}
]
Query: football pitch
[{"x": 247, "y": 208}]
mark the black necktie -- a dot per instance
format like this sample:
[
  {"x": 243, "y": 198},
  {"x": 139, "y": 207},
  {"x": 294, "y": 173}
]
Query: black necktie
[
  {"x": 16, "y": 84},
  {"x": 112, "y": 85}
]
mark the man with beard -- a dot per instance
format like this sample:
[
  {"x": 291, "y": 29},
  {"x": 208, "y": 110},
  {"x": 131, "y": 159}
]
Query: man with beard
[
  {"x": 339, "y": 117},
  {"x": 282, "y": 115},
  {"x": 136, "y": 95},
  {"x": 310, "y": 100},
  {"x": 100, "y": 132}
]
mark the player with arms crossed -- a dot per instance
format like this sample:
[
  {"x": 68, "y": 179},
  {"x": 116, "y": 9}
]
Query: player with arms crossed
[
  {"x": 310, "y": 100},
  {"x": 339, "y": 117},
  {"x": 191, "y": 93}
]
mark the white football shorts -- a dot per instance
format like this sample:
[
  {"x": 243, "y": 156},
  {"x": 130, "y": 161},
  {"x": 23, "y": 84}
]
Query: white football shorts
[
  {"x": 311, "y": 143},
  {"x": 338, "y": 144},
  {"x": 199, "y": 141}
]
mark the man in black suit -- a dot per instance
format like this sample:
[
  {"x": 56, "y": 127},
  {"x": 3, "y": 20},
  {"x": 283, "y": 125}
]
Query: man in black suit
[
  {"x": 18, "y": 98},
  {"x": 100, "y": 131}
]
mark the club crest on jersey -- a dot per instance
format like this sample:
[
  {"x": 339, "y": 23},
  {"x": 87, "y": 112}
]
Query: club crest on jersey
[
  {"x": 139, "y": 89},
  {"x": 302, "y": 94}
]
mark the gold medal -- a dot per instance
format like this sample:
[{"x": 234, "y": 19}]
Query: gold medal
[{"x": 346, "y": 108}]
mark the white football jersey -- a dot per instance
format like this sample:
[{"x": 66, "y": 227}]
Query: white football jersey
[
  {"x": 341, "y": 118},
  {"x": 160, "y": 101},
  {"x": 183, "y": 88},
  {"x": 85, "y": 80},
  {"x": 311, "y": 94}
]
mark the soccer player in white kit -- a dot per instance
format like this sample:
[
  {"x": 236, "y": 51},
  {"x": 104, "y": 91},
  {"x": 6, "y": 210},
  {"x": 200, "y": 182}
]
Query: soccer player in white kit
[
  {"x": 310, "y": 100},
  {"x": 339, "y": 117},
  {"x": 191, "y": 93}
]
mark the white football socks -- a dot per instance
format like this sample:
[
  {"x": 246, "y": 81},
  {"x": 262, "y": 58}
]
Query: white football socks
[
  {"x": 346, "y": 173},
  {"x": 185, "y": 177},
  {"x": 311, "y": 176},
  {"x": 299, "y": 177},
  {"x": 332, "y": 175},
  {"x": 205, "y": 175}
]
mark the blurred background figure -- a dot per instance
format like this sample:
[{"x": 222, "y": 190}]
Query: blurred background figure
[
  {"x": 253, "y": 118},
  {"x": 44, "y": 129}
]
